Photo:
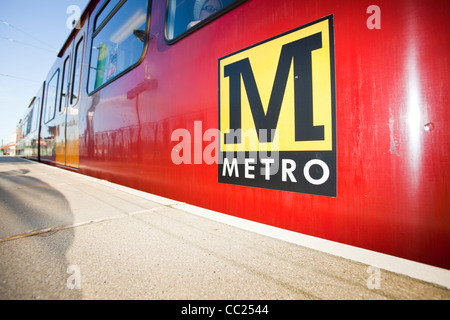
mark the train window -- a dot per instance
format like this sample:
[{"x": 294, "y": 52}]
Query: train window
[
  {"x": 65, "y": 84},
  {"x": 35, "y": 112},
  {"x": 184, "y": 15},
  {"x": 52, "y": 94},
  {"x": 23, "y": 130},
  {"x": 29, "y": 122},
  {"x": 77, "y": 72},
  {"x": 105, "y": 12},
  {"x": 118, "y": 45}
]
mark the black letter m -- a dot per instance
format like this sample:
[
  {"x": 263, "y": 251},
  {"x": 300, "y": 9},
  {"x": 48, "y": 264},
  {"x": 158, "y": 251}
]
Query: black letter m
[{"x": 298, "y": 53}]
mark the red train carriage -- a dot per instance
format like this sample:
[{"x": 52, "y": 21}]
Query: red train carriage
[
  {"x": 326, "y": 118},
  {"x": 29, "y": 128}
]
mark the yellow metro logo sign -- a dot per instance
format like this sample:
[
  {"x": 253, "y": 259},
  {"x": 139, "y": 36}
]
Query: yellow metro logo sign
[
  {"x": 281, "y": 57},
  {"x": 279, "y": 96}
]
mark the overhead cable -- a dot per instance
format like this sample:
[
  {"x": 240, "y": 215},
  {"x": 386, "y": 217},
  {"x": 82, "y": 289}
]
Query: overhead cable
[
  {"x": 19, "y": 78},
  {"x": 28, "y": 34},
  {"x": 27, "y": 44}
]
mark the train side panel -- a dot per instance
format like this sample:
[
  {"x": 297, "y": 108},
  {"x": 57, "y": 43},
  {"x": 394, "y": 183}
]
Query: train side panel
[
  {"x": 369, "y": 82},
  {"x": 391, "y": 143}
]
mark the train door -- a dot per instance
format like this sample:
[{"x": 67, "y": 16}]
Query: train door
[
  {"x": 39, "y": 120},
  {"x": 60, "y": 134},
  {"x": 73, "y": 103},
  {"x": 67, "y": 135}
]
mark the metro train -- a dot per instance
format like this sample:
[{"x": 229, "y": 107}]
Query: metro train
[{"x": 321, "y": 117}]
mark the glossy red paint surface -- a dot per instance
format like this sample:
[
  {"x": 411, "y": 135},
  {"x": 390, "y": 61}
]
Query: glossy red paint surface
[{"x": 392, "y": 98}]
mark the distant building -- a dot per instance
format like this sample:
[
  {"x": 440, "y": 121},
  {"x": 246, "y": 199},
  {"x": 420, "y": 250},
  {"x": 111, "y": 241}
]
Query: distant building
[{"x": 9, "y": 149}]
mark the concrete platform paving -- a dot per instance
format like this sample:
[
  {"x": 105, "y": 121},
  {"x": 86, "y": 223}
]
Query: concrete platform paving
[{"x": 68, "y": 236}]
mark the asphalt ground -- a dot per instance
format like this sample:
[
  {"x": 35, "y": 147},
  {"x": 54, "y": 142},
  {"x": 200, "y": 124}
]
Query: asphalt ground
[{"x": 65, "y": 236}]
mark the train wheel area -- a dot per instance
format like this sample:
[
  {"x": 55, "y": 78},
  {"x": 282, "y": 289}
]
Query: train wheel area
[{"x": 68, "y": 236}]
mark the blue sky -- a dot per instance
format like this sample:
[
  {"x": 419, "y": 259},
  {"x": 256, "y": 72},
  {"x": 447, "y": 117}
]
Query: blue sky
[{"x": 29, "y": 41}]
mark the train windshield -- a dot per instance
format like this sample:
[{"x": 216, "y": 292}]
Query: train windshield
[{"x": 185, "y": 14}]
